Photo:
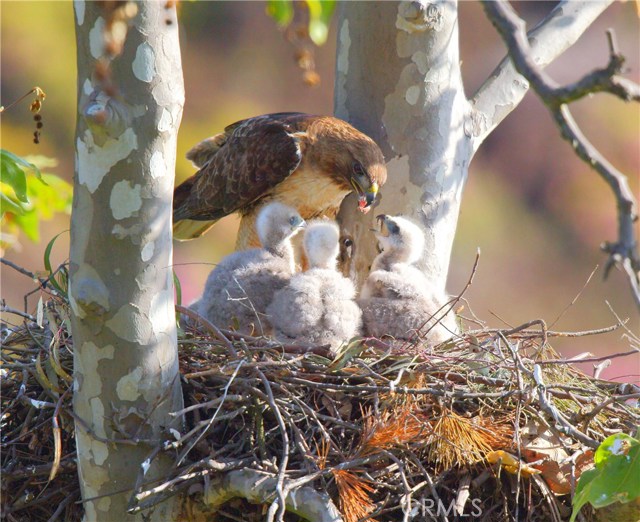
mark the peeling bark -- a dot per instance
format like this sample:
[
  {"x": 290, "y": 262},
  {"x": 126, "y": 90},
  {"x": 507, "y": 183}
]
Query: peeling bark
[
  {"x": 126, "y": 378},
  {"x": 411, "y": 101},
  {"x": 398, "y": 79}
]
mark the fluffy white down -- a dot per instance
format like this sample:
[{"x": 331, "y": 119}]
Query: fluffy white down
[
  {"x": 241, "y": 286},
  {"x": 397, "y": 300},
  {"x": 321, "y": 244},
  {"x": 318, "y": 306},
  {"x": 239, "y": 289},
  {"x": 405, "y": 246}
]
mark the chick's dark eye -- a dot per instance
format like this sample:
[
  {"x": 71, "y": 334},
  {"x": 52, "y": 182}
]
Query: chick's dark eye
[
  {"x": 292, "y": 220},
  {"x": 393, "y": 228},
  {"x": 358, "y": 169}
]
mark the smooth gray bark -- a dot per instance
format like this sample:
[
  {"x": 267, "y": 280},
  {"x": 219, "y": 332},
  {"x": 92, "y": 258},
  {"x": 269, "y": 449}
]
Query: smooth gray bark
[
  {"x": 126, "y": 378},
  {"x": 398, "y": 79}
]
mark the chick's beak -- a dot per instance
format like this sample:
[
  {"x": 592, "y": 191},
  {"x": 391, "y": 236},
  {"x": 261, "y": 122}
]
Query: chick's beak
[{"x": 382, "y": 220}]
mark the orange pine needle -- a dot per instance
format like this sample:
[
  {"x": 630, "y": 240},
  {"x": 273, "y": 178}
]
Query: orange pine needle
[
  {"x": 353, "y": 496},
  {"x": 459, "y": 441},
  {"x": 392, "y": 428}
]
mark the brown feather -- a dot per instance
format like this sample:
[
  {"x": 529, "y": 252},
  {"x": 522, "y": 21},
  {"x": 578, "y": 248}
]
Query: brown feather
[
  {"x": 301, "y": 160},
  {"x": 201, "y": 153}
]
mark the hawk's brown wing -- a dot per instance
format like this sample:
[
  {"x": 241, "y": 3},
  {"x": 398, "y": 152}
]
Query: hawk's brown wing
[{"x": 258, "y": 153}]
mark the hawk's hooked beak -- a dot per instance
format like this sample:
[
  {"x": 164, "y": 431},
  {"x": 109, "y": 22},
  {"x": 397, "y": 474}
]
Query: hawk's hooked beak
[{"x": 365, "y": 199}]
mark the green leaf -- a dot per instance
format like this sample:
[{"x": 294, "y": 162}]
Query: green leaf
[
  {"x": 29, "y": 223},
  {"x": 320, "y": 13},
  {"x": 61, "y": 288},
  {"x": 8, "y": 205},
  {"x": 178, "y": 287},
  {"x": 52, "y": 195},
  {"x": 40, "y": 163},
  {"x": 12, "y": 173},
  {"x": 34, "y": 201},
  {"x": 281, "y": 11},
  {"x": 615, "y": 477}
]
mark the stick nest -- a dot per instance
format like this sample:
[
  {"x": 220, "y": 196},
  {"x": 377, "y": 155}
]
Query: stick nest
[{"x": 492, "y": 425}]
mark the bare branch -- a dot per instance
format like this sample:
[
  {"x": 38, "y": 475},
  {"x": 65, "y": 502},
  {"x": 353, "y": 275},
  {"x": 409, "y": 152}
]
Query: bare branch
[
  {"x": 505, "y": 88},
  {"x": 23, "y": 271},
  {"x": 512, "y": 29}
]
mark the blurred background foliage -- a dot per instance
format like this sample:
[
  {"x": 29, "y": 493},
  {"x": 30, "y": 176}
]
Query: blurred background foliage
[
  {"x": 536, "y": 211},
  {"x": 29, "y": 197}
]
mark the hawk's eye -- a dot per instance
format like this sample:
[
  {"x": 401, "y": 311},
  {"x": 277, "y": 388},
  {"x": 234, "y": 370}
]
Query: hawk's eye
[
  {"x": 347, "y": 242},
  {"x": 358, "y": 169}
]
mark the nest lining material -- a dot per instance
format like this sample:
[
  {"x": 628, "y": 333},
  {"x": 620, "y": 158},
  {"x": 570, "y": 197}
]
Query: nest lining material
[{"x": 491, "y": 424}]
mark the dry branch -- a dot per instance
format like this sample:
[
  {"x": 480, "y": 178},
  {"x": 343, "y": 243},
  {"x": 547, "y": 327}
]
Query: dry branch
[
  {"x": 624, "y": 251},
  {"x": 389, "y": 427}
]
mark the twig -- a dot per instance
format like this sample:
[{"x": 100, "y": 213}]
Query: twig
[
  {"x": 575, "y": 299},
  {"x": 197, "y": 318},
  {"x": 9, "y": 310},
  {"x": 623, "y": 252},
  {"x": 446, "y": 308},
  {"x": 543, "y": 328},
  {"x": 401, "y": 390},
  {"x": 518, "y": 369},
  {"x": 23, "y": 271},
  {"x": 209, "y": 422},
  {"x": 556, "y": 415},
  {"x": 150, "y": 497},
  {"x": 69, "y": 498},
  {"x": 280, "y": 504},
  {"x": 616, "y": 398},
  {"x": 550, "y": 333},
  {"x": 36, "y": 90},
  {"x": 67, "y": 465},
  {"x": 589, "y": 359}
]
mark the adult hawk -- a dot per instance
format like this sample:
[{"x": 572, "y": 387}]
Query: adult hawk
[{"x": 307, "y": 162}]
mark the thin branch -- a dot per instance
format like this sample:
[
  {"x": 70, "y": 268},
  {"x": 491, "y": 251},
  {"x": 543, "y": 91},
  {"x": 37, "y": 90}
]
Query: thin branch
[
  {"x": 280, "y": 503},
  {"x": 213, "y": 329},
  {"x": 562, "y": 424},
  {"x": 575, "y": 299},
  {"x": 588, "y": 359},
  {"x": 23, "y": 271},
  {"x": 9, "y": 310},
  {"x": 511, "y": 27},
  {"x": 209, "y": 422},
  {"x": 505, "y": 88}
]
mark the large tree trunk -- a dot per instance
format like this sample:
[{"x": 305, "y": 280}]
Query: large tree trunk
[
  {"x": 126, "y": 378},
  {"x": 411, "y": 102},
  {"x": 398, "y": 79}
]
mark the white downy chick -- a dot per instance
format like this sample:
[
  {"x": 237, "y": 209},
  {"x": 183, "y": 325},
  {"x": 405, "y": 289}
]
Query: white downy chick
[
  {"x": 241, "y": 286},
  {"x": 397, "y": 300},
  {"x": 317, "y": 306}
]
